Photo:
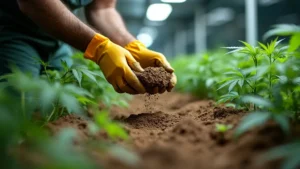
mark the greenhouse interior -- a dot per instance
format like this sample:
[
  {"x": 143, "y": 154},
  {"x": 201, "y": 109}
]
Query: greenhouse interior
[{"x": 150, "y": 84}]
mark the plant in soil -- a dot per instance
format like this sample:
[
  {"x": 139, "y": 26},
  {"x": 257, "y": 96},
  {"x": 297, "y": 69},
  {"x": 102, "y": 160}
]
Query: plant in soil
[
  {"x": 220, "y": 131},
  {"x": 263, "y": 80},
  {"x": 271, "y": 88},
  {"x": 29, "y": 103}
]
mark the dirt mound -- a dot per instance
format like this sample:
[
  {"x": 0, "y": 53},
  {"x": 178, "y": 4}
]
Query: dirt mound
[
  {"x": 181, "y": 133},
  {"x": 154, "y": 77}
]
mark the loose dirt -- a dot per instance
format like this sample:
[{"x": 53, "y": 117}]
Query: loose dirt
[
  {"x": 154, "y": 77},
  {"x": 180, "y": 134}
]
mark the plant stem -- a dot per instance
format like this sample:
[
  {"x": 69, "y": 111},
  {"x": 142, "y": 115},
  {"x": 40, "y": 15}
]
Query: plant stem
[
  {"x": 254, "y": 57},
  {"x": 61, "y": 111},
  {"x": 23, "y": 104},
  {"x": 295, "y": 104},
  {"x": 64, "y": 74},
  {"x": 52, "y": 113},
  {"x": 66, "y": 79},
  {"x": 270, "y": 76},
  {"x": 45, "y": 69}
]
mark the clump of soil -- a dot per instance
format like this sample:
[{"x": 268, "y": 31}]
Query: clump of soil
[{"x": 154, "y": 77}]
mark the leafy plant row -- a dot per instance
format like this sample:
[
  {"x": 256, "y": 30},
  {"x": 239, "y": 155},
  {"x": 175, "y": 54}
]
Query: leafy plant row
[
  {"x": 27, "y": 103},
  {"x": 263, "y": 79}
]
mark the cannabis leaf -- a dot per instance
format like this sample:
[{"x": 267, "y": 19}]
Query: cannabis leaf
[{"x": 252, "y": 120}]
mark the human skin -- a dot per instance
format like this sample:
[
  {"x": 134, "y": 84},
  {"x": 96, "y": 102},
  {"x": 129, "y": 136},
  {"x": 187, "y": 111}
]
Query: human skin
[
  {"x": 103, "y": 16},
  {"x": 57, "y": 20}
]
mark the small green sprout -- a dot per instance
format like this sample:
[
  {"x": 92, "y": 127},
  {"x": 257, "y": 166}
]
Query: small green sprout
[{"x": 223, "y": 128}]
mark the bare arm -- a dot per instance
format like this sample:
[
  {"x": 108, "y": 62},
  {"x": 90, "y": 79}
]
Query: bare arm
[
  {"x": 58, "y": 21},
  {"x": 103, "y": 16}
]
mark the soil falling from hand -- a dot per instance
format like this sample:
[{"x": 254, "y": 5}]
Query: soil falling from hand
[{"x": 153, "y": 77}]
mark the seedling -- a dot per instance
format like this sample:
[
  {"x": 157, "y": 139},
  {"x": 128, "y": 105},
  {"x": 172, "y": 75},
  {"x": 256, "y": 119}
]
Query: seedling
[{"x": 223, "y": 128}]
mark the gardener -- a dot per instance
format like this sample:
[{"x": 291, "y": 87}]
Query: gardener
[{"x": 31, "y": 29}]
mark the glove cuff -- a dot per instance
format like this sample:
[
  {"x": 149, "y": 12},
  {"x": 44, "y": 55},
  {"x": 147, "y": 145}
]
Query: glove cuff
[
  {"x": 90, "y": 52},
  {"x": 134, "y": 44}
]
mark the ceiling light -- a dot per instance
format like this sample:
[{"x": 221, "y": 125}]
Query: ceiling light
[
  {"x": 220, "y": 16},
  {"x": 268, "y": 2},
  {"x": 145, "y": 38},
  {"x": 152, "y": 31},
  {"x": 173, "y": 1},
  {"x": 159, "y": 12}
]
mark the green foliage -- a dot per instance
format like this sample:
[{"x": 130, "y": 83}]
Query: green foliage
[
  {"x": 52, "y": 99},
  {"x": 199, "y": 74},
  {"x": 27, "y": 103},
  {"x": 269, "y": 86},
  {"x": 252, "y": 120},
  {"x": 103, "y": 91},
  {"x": 229, "y": 97},
  {"x": 59, "y": 152},
  {"x": 113, "y": 129},
  {"x": 289, "y": 153},
  {"x": 223, "y": 128},
  {"x": 286, "y": 30}
]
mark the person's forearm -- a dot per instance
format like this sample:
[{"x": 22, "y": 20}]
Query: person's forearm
[
  {"x": 103, "y": 16},
  {"x": 56, "y": 19}
]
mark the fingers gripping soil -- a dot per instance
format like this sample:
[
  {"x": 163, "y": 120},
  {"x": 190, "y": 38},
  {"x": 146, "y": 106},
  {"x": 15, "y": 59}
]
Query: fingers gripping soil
[{"x": 154, "y": 77}]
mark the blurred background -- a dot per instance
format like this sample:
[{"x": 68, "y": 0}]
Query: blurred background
[{"x": 182, "y": 27}]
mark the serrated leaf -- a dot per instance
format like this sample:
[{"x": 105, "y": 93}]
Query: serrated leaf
[
  {"x": 232, "y": 85},
  {"x": 64, "y": 64},
  {"x": 89, "y": 74},
  {"x": 252, "y": 120},
  {"x": 241, "y": 83},
  {"x": 263, "y": 46},
  {"x": 70, "y": 103},
  {"x": 86, "y": 101},
  {"x": 225, "y": 84},
  {"x": 256, "y": 100},
  {"x": 78, "y": 76},
  {"x": 228, "y": 97},
  {"x": 250, "y": 48}
]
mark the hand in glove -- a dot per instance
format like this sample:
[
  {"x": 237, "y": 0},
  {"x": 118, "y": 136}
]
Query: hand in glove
[
  {"x": 116, "y": 64},
  {"x": 149, "y": 58}
]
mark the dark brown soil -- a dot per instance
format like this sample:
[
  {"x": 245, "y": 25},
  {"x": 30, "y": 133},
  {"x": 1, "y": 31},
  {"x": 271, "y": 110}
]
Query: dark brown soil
[
  {"x": 180, "y": 134},
  {"x": 154, "y": 77}
]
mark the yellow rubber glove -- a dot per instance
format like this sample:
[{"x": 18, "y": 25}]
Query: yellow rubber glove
[
  {"x": 116, "y": 64},
  {"x": 149, "y": 58}
]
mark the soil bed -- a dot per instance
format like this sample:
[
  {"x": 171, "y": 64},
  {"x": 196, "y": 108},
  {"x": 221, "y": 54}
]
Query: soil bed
[{"x": 179, "y": 133}]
